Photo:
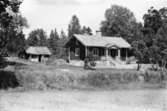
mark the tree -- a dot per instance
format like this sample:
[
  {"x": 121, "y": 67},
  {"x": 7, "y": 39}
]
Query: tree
[
  {"x": 37, "y": 38},
  {"x": 155, "y": 26},
  {"x": 155, "y": 56},
  {"x": 74, "y": 27},
  {"x": 152, "y": 19},
  {"x": 61, "y": 51},
  {"x": 52, "y": 41},
  {"x": 140, "y": 51},
  {"x": 15, "y": 37},
  {"x": 152, "y": 23},
  {"x": 86, "y": 30},
  {"x": 119, "y": 22},
  {"x": 161, "y": 37},
  {"x": 8, "y": 10},
  {"x": 62, "y": 34},
  {"x": 164, "y": 59}
]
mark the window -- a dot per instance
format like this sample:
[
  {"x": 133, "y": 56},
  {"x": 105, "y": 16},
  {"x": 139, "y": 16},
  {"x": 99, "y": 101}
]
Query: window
[
  {"x": 95, "y": 51},
  {"x": 77, "y": 52}
]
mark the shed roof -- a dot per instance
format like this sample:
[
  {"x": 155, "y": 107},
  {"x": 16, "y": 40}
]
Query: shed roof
[
  {"x": 38, "y": 50},
  {"x": 102, "y": 41}
]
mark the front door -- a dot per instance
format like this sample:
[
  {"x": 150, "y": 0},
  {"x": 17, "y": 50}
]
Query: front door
[{"x": 113, "y": 53}]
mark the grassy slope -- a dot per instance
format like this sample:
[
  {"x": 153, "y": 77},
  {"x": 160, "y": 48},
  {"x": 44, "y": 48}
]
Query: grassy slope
[{"x": 35, "y": 76}]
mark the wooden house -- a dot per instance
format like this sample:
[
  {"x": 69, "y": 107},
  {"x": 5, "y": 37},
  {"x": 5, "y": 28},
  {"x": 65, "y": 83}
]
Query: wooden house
[
  {"x": 38, "y": 53},
  {"x": 101, "y": 47}
]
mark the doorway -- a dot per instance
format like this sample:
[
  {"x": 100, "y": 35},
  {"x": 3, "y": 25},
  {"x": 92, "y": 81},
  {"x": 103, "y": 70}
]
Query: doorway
[{"x": 113, "y": 53}]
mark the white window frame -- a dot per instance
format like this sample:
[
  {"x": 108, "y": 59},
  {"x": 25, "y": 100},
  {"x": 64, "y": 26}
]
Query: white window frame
[
  {"x": 77, "y": 51},
  {"x": 95, "y": 51}
]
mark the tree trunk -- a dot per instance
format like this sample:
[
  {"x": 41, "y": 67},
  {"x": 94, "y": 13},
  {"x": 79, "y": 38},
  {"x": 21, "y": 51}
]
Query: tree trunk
[{"x": 138, "y": 66}]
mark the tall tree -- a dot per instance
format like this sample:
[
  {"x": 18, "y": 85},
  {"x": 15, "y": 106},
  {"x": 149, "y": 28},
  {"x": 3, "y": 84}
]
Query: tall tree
[
  {"x": 37, "y": 37},
  {"x": 52, "y": 41},
  {"x": 161, "y": 37},
  {"x": 74, "y": 27},
  {"x": 86, "y": 30},
  {"x": 154, "y": 31},
  {"x": 9, "y": 9},
  {"x": 152, "y": 23},
  {"x": 62, "y": 34},
  {"x": 15, "y": 38},
  {"x": 61, "y": 51},
  {"x": 119, "y": 22},
  {"x": 140, "y": 51},
  {"x": 155, "y": 56}
]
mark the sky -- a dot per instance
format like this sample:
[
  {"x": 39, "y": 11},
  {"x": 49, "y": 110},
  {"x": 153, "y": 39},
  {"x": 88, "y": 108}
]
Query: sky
[{"x": 51, "y": 14}]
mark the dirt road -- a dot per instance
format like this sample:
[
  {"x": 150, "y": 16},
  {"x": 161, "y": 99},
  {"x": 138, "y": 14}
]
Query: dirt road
[{"x": 138, "y": 100}]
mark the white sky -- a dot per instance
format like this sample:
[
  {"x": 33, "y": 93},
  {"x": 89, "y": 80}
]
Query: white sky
[{"x": 50, "y": 14}]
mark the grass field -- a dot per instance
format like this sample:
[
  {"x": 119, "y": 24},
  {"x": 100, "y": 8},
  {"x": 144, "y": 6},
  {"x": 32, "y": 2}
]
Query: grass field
[{"x": 76, "y": 100}]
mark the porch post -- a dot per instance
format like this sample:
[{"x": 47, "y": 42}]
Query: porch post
[
  {"x": 119, "y": 53},
  {"x": 126, "y": 54},
  {"x": 106, "y": 54},
  {"x": 69, "y": 54},
  {"x": 86, "y": 51}
]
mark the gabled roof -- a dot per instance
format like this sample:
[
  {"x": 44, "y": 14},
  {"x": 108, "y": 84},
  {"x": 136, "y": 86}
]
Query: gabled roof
[
  {"x": 102, "y": 41},
  {"x": 38, "y": 50}
]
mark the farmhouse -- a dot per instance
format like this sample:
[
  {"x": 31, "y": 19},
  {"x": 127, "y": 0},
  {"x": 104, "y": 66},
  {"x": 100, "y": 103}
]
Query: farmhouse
[
  {"x": 38, "y": 53},
  {"x": 101, "y": 47}
]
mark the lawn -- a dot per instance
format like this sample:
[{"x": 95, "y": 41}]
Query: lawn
[{"x": 76, "y": 100}]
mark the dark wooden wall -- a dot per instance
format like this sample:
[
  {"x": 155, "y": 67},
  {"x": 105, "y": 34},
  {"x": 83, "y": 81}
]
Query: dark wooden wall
[{"x": 73, "y": 45}]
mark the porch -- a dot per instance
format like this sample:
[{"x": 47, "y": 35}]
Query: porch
[{"x": 99, "y": 53}]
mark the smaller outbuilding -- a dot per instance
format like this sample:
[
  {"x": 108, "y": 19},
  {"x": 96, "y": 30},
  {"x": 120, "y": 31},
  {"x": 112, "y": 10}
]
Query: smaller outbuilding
[{"x": 38, "y": 53}]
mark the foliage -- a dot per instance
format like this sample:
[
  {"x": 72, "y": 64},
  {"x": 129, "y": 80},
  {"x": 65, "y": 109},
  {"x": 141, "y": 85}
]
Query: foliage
[
  {"x": 152, "y": 23},
  {"x": 37, "y": 37},
  {"x": 120, "y": 21},
  {"x": 74, "y": 27},
  {"x": 16, "y": 43},
  {"x": 61, "y": 51},
  {"x": 89, "y": 62},
  {"x": 154, "y": 31},
  {"x": 11, "y": 25},
  {"x": 8, "y": 9},
  {"x": 152, "y": 19},
  {"x": 161, "y": 37},
  {"x": 164, "y": 58},
  {"x": 86, "y": 30},
  {"x": 8, "y": 16},
  {"x": 62, "y": 34},
  {"x": 8, "y": 80},
  {"x": 52, "y": 41},
  {"x": 140, "y": 51}
]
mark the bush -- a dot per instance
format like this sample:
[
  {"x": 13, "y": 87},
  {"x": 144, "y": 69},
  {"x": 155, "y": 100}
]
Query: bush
[
  {"x": 89, "y": 62},
  {"x": 8, "y": 80}
]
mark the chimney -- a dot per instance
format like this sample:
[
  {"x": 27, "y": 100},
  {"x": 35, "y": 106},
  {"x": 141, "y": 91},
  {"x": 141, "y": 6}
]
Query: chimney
[{"x": 98, "y": 33}]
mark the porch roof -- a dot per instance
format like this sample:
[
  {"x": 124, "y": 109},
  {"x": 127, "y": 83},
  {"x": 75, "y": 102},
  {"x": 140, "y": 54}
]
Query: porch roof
[{"x": 102, "y": 41}]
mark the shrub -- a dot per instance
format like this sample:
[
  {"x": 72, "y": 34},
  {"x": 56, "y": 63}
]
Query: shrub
[{"x": 8, "y": 80}]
